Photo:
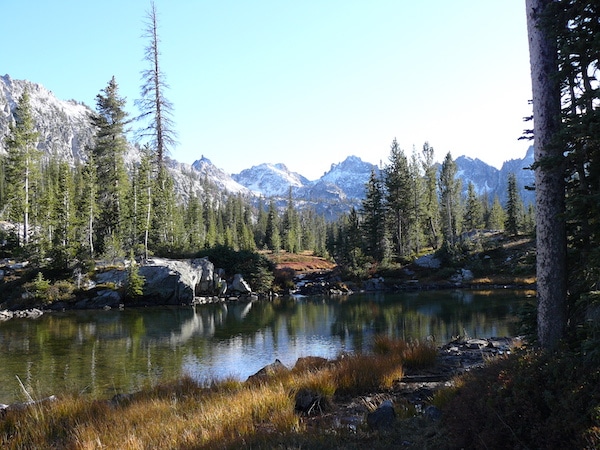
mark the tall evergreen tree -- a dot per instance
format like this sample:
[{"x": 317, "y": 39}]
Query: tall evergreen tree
[
  {"x": 210, "y": 221},
  {"x": 273, "y": 236},
  {"x": 290, "y": 227},
  {"x": 141, "y": 200},
  {"x": 64, "y": 244},
  {"x": 353, "y": 240},
  {"x": 166, "y": 233},
  {"x": 260, "y": 229},
  {"x": 431, "y": 209},
  {"x": 194, "y": 224},
  {"x": 416, "y": 212},
  {"x": 450, "y": 204},
  {"x": 86, "y": 205},
  {"x": 22, "y": 164},
  {"x": 514, "y": 207},
  {"x": 398, "y": 198},
  {"x": 154, "y": 106},
  {"x": 374, "y": 224},
  {"x": 473, "y": 218},
  {"x": 110, "y": 147},
  {"x": 497, "y": 217},
  {"x": 576, "y": 24}
]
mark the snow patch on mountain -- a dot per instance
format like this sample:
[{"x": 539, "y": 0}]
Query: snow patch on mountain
[
  {"x": 350, "y": 176},
  {"x": 218, "y": 177},
  {"x": 270, "y": 179}
]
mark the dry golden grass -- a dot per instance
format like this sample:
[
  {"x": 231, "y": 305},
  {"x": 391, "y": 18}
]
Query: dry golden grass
[
  {"x": 413, "y": 354},
  {"x": 505, "y": 279},
  {"x": 184, "y": 415}
]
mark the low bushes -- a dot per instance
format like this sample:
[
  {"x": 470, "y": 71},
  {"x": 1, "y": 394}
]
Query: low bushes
[{"x": 530, "y": 400}]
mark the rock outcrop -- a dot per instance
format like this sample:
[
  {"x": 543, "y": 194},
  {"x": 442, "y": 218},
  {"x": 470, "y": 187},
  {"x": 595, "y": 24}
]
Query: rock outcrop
[
  {"x": 169, "y": 282},
  {"x": 178, "y": 281}
]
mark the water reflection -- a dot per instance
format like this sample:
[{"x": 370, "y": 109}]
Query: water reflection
[{"x": 106, "y": 352}]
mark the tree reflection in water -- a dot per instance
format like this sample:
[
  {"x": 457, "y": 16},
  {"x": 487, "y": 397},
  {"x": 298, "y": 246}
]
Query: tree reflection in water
[{"x": 102, "y": 353}]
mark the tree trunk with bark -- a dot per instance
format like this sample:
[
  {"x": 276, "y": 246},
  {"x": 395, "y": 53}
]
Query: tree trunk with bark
[{"x": 549, "y": 179}]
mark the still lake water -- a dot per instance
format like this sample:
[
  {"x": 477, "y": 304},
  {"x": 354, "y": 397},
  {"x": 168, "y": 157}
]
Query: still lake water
[{"x": 102, "y": 353}]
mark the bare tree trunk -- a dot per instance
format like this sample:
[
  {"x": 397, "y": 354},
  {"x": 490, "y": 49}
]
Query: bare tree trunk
[
  {"x": 26, "y": 202},
  {"x": 148, "y": 218},
  {"x": 549, "y": 180}
]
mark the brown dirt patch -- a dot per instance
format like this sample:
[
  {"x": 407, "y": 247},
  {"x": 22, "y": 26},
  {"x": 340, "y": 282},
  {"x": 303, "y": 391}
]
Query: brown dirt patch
[{"x": 300, "y": 262}]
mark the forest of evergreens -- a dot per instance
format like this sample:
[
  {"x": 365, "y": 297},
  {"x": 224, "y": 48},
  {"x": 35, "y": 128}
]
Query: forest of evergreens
[{"x": 100, "y": 208}]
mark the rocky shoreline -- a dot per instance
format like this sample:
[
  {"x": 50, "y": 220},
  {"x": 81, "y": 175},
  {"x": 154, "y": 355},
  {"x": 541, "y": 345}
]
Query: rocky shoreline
[
  {"x": 415, "y": 390},
  {"x": 377, "y": 411}
]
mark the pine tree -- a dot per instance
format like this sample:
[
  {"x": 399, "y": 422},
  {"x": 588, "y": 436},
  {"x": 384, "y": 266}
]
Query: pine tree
[
  {"x": 86, "y": 201},
  {"x": 431, "y": 210},
  {"x": 514, "y": 207},
  {"x": 135, "y": 281},
  {"x": 64, "y": 244},
  {"x": 22, "y": 165},
  {"x": 290, "y": 227},
  {"x": 194, "y": 224},
  {"x": 473, "y": 218},
  {"x": 398, "y": 198},
  {"x": 260, "y": 229},
  {"x": 144, "y": 200},
  {"x": 529, "y": 220},
  {"x": 450, "y": 203},
  {"x": 353, "y": 240},
  {"x": 576, "y": 24},
  {"x": 108, "y": 154},
  {"x": 272, "y": 235},
  {"x": 374, "y": 223},
  {"x": 497, "y": 216},
  {"x": 166, "y": 233},
  {"x": 154, "y": 107},
  {"x": 210, "y": 221},
  {"x": 416, "y": 211}
]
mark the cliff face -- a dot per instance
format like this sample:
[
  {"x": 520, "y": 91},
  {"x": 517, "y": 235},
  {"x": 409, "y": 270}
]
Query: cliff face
[{"x": 64, "y": 127}]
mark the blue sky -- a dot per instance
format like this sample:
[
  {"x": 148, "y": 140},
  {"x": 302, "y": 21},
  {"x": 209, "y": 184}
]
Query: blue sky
[{"x": 303, "y": 83}]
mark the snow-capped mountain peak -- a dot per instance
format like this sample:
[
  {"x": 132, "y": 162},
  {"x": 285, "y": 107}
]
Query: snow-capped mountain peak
[{"x": 270, "y": 179}]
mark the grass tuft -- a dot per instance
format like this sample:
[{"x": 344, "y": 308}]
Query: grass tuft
[{"x": 223, "y": 414}]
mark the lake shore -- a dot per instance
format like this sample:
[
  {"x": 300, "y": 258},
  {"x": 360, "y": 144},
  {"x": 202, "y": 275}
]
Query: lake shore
[{"x": 335, "y": 408}]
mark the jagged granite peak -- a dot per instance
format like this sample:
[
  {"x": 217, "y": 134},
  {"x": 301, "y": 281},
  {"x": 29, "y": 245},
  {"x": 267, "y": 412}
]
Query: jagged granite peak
[
  {"x": 350, "y": 176},
  {"x": 322, "y": 190},
  {"x": 524, "y": 175},
  {"x": 484, "y": 177},
  {"x": 270, "y": 179},
  {"x": 223, "y": 181},
  {"x": 492, "y": 182},
  {"x": 64, "y": 127}
]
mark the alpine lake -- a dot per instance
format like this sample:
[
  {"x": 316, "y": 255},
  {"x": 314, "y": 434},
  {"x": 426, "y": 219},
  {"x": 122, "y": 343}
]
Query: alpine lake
[{"x": 102, "y": 353}]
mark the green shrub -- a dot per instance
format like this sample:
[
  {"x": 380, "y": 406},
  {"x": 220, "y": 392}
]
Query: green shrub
[
  {"x": 135, "y": 281},
  {"x": 256, "y": 269},
  {"x": 39, "y": 288},
  {"x": 61, "y": 290}
]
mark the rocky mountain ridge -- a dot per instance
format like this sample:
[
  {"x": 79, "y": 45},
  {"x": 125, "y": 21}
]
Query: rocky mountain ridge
[{"x": 66, "y": 132}]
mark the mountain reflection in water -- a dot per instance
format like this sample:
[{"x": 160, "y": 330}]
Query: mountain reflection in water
[{"x": 107, "y": 352}]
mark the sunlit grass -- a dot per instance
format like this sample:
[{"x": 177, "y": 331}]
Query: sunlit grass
[
  {"x": 414, "y": 354},
  {"x": 224, "y": 414}
]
